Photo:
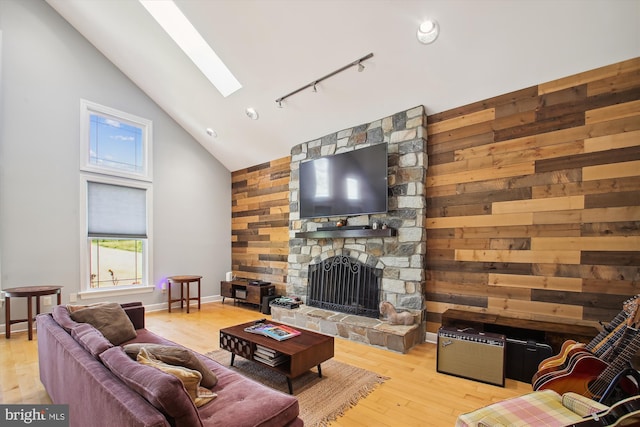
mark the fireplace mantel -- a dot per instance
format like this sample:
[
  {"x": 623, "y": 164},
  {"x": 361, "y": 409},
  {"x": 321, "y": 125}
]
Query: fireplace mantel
[{"x": 341, "y": 234}]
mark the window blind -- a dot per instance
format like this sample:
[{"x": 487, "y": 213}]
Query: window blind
[{"x": 116, "y": 211}]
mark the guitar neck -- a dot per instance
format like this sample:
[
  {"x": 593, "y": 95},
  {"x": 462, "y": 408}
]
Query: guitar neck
[
  {"x": 615, "y": 323},
  {"x": 611, "y": 342},
  {"x": 621, "y": 362}
]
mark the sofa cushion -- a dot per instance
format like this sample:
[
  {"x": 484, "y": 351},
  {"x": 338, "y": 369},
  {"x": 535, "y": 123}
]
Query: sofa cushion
[
  {"x": 164, "y": 391},
  {"x": 90, "y": 338},
  {"x": 177, "y": 356},
  {"x": 189, "y": 377},
  {"x": 63, "y": 318},
  {"x": 110, "y": 319}
]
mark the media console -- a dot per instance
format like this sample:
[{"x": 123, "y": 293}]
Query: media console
[{"x": 244, "y": 291}]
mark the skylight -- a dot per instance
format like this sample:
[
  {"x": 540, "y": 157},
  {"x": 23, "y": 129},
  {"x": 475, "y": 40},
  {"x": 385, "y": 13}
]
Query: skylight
[{"x": 173, "y": 21}]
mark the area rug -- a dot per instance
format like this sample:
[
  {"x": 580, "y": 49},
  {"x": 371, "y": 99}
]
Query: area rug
[{"x": 321, "y": 400}]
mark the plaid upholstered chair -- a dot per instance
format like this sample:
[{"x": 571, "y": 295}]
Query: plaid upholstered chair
[{"x": 548, "y": 408}]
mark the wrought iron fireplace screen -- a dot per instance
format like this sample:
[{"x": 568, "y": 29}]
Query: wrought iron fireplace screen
[{"x": 346, "y": 285}]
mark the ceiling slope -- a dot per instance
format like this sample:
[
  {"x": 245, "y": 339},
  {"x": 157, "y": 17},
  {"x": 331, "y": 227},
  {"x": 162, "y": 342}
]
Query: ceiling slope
[{"x": 273, "y": 47}]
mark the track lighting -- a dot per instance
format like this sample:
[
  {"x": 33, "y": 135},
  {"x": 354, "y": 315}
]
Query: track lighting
[{"x": 314, "y": 83}]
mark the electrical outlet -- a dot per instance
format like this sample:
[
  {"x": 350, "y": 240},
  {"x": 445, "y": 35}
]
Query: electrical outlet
[
  {"x": 46, "y": 300},
  {"x": 73, "y": 297}
]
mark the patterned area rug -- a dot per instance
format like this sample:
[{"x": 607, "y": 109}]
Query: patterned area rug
[{"x": 321, "y": 400}]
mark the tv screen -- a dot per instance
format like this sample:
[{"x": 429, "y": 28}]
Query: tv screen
[{"x": 351, "y": 183}]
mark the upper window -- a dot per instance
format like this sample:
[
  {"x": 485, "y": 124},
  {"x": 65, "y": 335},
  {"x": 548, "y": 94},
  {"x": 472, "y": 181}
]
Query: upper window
[{"x": 114, "y": 142}]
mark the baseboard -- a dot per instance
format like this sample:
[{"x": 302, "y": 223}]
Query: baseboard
[
  {"x": 431, "y": 337},
  {"x": 163, "y": 305}
]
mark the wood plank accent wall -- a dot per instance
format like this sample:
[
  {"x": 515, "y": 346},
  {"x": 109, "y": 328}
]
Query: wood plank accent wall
[
  {"x": 533, "y": 200},
  {"x": 260, "y": 222},
  {"x": 533, "y": 203}
]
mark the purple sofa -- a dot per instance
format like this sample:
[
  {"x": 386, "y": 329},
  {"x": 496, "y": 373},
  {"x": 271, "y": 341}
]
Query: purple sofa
[{"x": 105, "y": 387}]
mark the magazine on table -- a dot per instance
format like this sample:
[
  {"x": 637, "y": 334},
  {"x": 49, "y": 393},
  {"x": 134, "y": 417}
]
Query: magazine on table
[{"x": 277, "y": 332}]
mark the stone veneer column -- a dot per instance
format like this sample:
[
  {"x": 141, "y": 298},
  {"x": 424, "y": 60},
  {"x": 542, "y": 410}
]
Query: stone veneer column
[{"x": 402, "y": 256}]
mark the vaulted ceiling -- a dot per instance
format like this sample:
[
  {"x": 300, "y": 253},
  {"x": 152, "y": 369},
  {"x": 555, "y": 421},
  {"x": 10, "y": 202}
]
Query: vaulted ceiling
[{"x": 273, "y": 47}]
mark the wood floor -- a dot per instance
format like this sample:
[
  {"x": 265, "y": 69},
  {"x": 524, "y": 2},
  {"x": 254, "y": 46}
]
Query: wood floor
[{"x": 414, "y": 395}]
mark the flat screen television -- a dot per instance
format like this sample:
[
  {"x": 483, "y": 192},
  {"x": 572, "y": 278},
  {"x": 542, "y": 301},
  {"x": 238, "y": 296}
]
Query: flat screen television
[{"x": 345, "y": 184}]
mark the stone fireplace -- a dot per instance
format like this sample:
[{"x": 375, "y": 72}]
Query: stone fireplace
[{"x": 395, "y": 255}]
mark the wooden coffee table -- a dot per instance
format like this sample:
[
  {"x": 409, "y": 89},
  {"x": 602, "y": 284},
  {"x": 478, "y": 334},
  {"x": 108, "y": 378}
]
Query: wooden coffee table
[{"x": 302, "y": 352}]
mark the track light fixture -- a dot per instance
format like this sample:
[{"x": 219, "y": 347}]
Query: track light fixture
[{"x": 313, "y": 84}]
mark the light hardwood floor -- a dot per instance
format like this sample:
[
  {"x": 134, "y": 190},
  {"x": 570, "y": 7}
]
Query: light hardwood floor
[{"x": 414, "y": 395}]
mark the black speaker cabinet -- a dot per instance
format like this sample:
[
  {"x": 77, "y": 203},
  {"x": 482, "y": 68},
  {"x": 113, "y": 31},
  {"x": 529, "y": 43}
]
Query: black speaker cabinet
[
  {"x": 265, "y": 308},
  {"x": 523, "y": 358},
  {"x": 469, "y": 354}
]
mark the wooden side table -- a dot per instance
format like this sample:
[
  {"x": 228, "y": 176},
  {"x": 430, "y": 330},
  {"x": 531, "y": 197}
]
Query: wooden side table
[
  {"x": 183, "y": 280},
  {"x": 27, "y": 292}
]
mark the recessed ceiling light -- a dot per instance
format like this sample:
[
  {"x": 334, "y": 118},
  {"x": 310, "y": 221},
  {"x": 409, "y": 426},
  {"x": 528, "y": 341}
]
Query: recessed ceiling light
[
  {"x": 428, "y": 31},
  {"x": 251, "y": 113},
  {"x": 173, "y": 21}
]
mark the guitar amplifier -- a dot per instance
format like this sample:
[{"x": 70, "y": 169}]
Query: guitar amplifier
[
  {"x": 469, "y": 354},
  {"x": 523, "y": 358}
]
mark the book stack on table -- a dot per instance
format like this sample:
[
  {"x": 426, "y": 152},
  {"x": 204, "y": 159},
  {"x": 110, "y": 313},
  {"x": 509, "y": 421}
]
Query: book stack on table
[{"x": 269, "y": 356}]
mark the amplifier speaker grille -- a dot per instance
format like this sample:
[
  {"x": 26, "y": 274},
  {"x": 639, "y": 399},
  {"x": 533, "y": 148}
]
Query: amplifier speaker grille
[{"x": 472, "y": 355}]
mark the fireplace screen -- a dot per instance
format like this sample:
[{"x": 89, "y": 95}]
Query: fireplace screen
[{"x": 346, "y": 285}]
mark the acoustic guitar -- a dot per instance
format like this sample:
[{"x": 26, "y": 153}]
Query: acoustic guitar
[
  {"x": 600, "y": 346},
  {"x": 623, "y": 413},
  {"x": 591, "y": 377},
  {"x": 603, "y": 351}
]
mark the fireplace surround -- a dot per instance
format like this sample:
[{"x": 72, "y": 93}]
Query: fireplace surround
[{"x": 397, "y": 253}]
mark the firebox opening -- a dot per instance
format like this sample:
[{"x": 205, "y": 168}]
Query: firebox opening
[{"x": 345, "y": 285}]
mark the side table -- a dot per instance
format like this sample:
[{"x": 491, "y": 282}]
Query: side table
[
  {"x": 27, "y": 292},
  {"x": 183, "y": 280}
]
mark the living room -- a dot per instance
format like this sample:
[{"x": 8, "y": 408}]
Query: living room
[{"x": 564, "y": 147}]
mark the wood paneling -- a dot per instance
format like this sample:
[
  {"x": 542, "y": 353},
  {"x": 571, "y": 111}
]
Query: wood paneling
[
  {"x": 534, "y": 200},
  {"x": 260, "y": 222}
]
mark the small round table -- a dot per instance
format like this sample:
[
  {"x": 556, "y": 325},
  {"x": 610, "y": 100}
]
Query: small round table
[
  {"x": 27, "y": 292},
  {"x": 183, "y": 280}
]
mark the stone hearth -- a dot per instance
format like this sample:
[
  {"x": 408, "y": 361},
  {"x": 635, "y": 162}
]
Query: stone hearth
[{"x": 366, "y": 330}]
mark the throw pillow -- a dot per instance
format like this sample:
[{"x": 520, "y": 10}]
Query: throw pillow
[
  {"x": 164, "y": 391},
  {"x": 75, "y": 307},
  {"x": 110, "y": 319},
  {"x": 189, "y": 377},
  {"x": 174, "y": 355}
]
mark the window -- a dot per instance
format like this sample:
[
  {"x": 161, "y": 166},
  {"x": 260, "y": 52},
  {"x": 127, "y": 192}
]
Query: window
[
  {"x": 115, "y": 198},
  {"x": 114, "y": 142}
]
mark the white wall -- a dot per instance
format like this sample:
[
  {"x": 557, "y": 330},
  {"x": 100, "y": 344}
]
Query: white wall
[{"x": 47, "y": 68}]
